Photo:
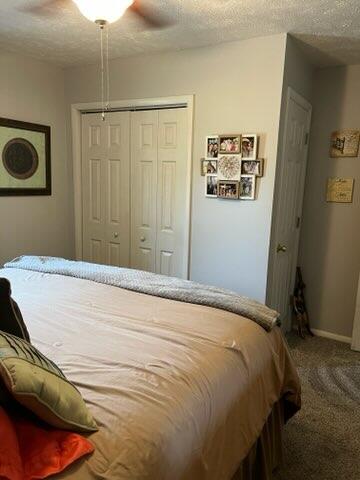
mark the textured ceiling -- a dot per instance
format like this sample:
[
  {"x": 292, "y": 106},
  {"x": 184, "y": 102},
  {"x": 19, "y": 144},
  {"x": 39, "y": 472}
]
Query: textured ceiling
[{"x": 328, "y": 30}]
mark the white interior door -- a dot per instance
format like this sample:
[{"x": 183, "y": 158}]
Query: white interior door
[
  {"x": 159, "y": 212},
  {"x": 288, "y": 205},
  {"x": 106, "y": 188}
]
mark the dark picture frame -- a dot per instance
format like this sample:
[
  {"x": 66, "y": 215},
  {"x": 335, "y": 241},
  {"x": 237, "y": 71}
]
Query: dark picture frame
[{"x": 45, "y": 157}]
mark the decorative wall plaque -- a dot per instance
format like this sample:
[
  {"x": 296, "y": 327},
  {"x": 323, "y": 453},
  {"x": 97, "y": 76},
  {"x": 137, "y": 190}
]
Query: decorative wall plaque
[
  {"x": 340, "y": 190},
  {"x": 229, "y": 167},
  {"x": 345, "y": 143},
  {"x": 25, "y": 166}
]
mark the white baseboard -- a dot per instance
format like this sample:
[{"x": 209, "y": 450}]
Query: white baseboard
[{"x": 332, "y": 336}]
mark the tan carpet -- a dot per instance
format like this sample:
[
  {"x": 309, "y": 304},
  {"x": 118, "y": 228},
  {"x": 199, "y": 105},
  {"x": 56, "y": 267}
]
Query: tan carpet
[{"x": 322, "y": 442}]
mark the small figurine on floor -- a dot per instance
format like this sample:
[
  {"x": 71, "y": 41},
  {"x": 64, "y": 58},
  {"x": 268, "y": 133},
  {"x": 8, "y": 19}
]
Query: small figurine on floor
[{"x": 299, "y": 306}]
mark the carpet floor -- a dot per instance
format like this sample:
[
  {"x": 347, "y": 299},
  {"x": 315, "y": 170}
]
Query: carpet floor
[{"x": 322, "y": 441}]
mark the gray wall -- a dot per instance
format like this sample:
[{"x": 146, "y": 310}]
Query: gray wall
[
  {"x": 330, "y": 237},
  {"x": 298, "y": 71},
  {"x": 34, "y": 91},
  {"x": 237, "y": 88}
]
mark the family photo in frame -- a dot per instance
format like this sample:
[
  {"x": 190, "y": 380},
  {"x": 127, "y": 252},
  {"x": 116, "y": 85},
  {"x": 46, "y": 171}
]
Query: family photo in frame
[
  {"x": 212, "y": 147},
  {"x": 211, "y": 185},
  {"x": 252, "y": 167},
  {"x": 228, "y": 189},
  {"x": 247, "y": 187},
  {"x": 208, "y": 166},
  {"x": 249, "y": 146},
  {"x": 229, "y": 144}
]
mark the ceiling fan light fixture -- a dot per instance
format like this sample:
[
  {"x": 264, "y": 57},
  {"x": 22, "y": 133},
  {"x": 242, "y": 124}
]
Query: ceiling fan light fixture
[{"x": 103, "y": 11}]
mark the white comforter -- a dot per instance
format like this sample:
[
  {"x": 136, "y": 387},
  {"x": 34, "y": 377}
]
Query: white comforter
[{"x": 179, "y": 391}]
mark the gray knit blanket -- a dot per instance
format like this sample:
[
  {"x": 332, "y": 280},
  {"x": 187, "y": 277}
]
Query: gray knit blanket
[{"x": 153, "y": 284}]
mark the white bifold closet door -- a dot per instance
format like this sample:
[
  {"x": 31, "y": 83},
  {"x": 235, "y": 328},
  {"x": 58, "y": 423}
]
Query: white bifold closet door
[
  {"x": 158, "y": 191},
  {"x": 106, "y": 189},
  {"x": 135, "y": 210}
]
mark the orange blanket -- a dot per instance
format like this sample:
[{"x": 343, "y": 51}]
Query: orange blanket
[{"x": 29, "y": 451}]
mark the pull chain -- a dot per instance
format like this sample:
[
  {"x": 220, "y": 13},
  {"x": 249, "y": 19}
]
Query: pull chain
[
  {"x": 102, "y": 72},
  {"x": 104, "y": 68},
  {"x": 107, "y": 70}
]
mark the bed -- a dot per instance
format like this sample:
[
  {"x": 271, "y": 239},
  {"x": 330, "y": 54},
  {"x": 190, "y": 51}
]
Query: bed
[{"x": 179, "y": 391}]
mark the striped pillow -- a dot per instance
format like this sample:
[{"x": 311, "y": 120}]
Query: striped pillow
[
  {"x": 40, "y": 386},
  {"x": 11, "y": 320}
]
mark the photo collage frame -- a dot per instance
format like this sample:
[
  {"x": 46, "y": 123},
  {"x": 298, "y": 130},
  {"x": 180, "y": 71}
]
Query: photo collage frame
[{"x": 231, "y": 166}]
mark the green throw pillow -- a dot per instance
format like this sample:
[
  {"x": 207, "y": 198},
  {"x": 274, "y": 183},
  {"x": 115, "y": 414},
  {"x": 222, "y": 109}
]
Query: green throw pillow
[{"x": 40, "y": 386}]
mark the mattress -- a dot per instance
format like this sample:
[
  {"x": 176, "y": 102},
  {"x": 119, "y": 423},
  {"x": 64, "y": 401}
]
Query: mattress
[{"x": 179, "y": 391}]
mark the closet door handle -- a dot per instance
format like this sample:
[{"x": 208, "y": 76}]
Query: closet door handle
[
  {"x": 116, "y": 235},
  {"x": 142, "y": 239}
]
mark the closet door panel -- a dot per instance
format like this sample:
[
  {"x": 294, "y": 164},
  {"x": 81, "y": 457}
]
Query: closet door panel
[
  {"x": 117, "y": 202},
  {"x": 93, "y": 141},
  {"x": 106, "y": 191},
  {"x": 166, "y": 263},
  {"x": 96, "y": 250},
  {"x": 171, "y": 257},
  {"x": 95, "y": 189},
  {"x": 144, "y": 153}
]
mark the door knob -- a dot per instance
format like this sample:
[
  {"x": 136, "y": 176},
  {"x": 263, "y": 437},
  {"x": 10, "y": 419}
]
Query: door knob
[
  {"x": 142, "y": 239},
  {"x": 116, "y": 235},
  {"x": 281, "y": 248}
]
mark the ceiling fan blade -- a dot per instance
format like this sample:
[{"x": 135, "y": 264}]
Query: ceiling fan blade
[
  {"x": 45, "y": 8},
  {"x": 152, "y": 18}
]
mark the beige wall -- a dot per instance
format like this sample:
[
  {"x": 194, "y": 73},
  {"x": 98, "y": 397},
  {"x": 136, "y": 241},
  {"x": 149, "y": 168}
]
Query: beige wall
[
  {"x": 237, "y": 88},
  {"x": 330, "y": 238},
  {"x": 34, "y": 91}
]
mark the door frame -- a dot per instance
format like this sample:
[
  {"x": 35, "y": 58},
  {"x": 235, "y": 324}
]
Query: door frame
[
  {"x": 77, "y": 109},
  {"x": 355, "y": 340},
  {"x": 290, "y": 95}
]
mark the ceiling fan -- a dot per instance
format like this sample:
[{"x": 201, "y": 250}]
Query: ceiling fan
[{"x": 101, "y": 11}]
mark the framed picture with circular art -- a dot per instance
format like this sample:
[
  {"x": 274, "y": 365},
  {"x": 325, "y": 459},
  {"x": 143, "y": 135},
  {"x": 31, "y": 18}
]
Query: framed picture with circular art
[
  {"x": 25, "y": 162},
  {"x": 229, "y": 167}
]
